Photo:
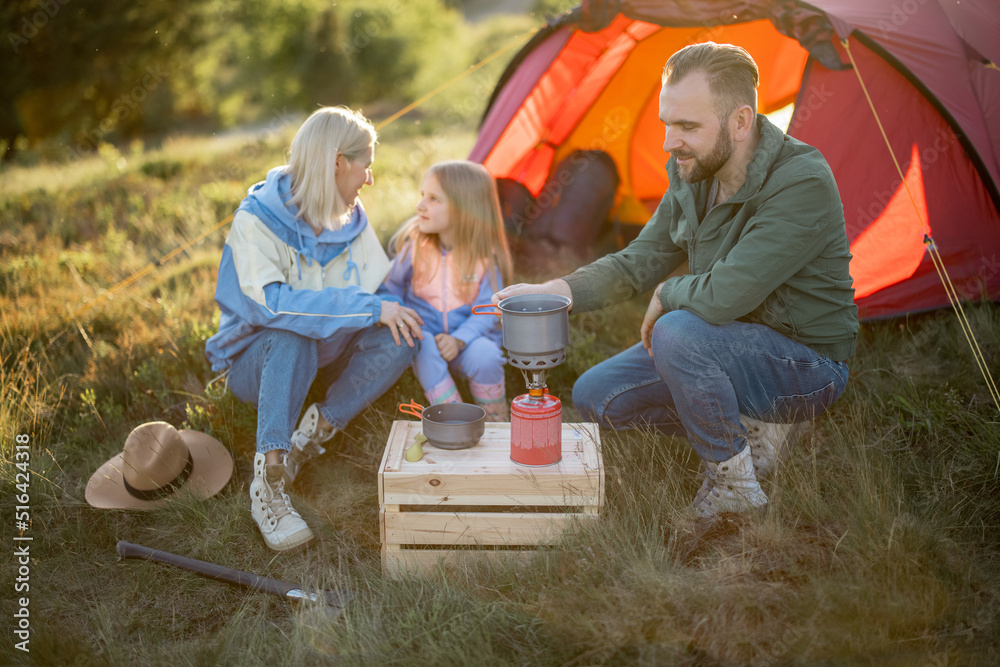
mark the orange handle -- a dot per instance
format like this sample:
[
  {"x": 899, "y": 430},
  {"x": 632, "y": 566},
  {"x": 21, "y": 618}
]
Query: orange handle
[
  {"x": 412, "y": 408},
  {"x": 478, "y": 310}
]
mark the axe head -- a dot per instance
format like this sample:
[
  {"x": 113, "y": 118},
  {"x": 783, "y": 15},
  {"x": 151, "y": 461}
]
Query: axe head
[{"x": 333, "y": 602}]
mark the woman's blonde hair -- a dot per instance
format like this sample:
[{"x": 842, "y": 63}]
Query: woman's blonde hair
[
  {"x": 476, "y": 223},
  {"x": 327, "y": 133}
]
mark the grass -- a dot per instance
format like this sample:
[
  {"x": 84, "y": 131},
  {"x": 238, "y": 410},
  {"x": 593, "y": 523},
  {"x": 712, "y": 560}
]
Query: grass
[{"x": 880, "y": 545}]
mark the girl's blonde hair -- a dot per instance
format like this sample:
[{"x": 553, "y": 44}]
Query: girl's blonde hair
[
  {"x": 476, "y": 223},
  {"x": 327, "y": 133}
]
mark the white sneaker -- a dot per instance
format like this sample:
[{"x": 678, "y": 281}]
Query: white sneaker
[
  {"x": 769, "y": 443},
  {"x": 307, "y": 442},
  {"x": 729, "y": 486},
  {"x": 271, "y": 508}
]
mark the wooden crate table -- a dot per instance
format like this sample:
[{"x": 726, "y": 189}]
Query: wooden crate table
[{"x": 477, "y": 499}]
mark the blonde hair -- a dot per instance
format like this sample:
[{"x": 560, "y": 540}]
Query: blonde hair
[
  {"x": 327, "y": 133},
  {"x": 476, "y": 223}
]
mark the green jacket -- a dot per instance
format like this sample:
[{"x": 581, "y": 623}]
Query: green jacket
[{"x": 776, "y": 253}]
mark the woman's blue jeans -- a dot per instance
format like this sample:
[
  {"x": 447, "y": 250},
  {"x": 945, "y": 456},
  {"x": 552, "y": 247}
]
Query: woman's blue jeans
[
  {"x": 702, "y": 377},
  {"x": 274, "y": 375}
]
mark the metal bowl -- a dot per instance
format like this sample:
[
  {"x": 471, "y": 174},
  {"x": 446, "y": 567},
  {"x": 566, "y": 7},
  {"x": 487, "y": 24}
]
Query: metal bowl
[{"x": 449, "y": 425}]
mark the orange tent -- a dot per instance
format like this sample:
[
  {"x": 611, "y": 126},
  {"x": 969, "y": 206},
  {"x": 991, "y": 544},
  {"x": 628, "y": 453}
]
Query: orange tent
[{"x": 928, "y": 74}]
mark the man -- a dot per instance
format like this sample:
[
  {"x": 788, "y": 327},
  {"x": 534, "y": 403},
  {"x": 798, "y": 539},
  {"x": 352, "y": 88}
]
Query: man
[{"x": 755, "y": 336}]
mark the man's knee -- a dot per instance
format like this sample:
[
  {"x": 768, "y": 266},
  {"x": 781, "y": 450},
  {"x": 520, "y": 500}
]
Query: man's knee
[{"x": 674, "y": 332}]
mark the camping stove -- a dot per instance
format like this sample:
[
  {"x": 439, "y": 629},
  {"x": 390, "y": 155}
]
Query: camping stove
[
  {"x": 535, "y": 335},
  {"x": 536, "y": 417},
  {"x": 535, "y": 368}
]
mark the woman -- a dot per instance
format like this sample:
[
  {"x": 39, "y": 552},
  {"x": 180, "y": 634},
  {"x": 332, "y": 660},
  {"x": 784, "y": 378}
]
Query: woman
[{"x": 299, "y": 293}]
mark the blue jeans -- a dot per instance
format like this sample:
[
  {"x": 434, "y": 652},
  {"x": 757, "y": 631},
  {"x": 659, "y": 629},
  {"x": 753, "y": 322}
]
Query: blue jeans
[
  {"x": 702, "y": 377},
  {"x": 274, "y": 375}
]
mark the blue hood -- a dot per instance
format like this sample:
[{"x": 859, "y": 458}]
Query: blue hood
[{"x": 269, "y": 200}]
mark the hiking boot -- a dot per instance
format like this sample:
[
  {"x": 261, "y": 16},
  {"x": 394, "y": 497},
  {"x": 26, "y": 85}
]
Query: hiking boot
[
  {"x": 769, "y": 443},
  {"x": 307, "y": 442},
  {"x": 271, "y": 508},
  {"x": 729, "y": 486}
]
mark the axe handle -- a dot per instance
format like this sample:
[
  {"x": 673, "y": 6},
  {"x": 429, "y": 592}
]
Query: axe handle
[{"x": 266, "y": 584}]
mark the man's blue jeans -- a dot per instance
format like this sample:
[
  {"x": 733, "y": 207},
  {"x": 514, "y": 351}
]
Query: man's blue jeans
[
  {"x": 274, "y": 375},
  {"x": 702, "y": 377}
]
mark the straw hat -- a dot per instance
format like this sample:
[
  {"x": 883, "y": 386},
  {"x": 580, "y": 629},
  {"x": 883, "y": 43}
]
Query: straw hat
[{"x": 156, "y": 462}]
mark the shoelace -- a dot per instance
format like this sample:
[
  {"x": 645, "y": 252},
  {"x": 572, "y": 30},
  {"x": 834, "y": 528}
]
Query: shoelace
[
  {"x": 280, "y": 505},
  {"x": 707, "y": 486}
]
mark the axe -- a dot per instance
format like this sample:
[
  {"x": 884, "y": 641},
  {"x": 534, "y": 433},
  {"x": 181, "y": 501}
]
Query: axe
[{"x": 335, "y": 601}]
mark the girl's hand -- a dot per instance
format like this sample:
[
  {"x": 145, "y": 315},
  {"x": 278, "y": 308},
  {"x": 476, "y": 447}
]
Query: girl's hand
[
  {"x": 402, "y": 321},
  {"x": 448, "y": 346},
  {"x": 653, "y": 313}
]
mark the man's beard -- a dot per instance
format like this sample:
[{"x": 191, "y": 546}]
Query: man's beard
[{"x": 706, "y": 167}]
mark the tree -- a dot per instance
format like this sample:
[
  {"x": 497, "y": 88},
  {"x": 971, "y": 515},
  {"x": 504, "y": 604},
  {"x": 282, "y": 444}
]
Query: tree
[{"x": 86, "y": 69}]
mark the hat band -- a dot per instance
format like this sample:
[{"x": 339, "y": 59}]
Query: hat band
[{"x": 166, "y": 489}]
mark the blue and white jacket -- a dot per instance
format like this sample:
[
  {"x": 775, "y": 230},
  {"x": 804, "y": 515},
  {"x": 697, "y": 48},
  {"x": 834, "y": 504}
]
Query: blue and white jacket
[
  {"x": 276, "y": 273},
  {"x": 440, "y": 301}
]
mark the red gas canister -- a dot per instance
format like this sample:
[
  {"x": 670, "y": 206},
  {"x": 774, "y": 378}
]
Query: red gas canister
[{"x": 536, "y": 430}]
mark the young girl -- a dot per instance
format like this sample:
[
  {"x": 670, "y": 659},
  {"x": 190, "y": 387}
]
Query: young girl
[{"x": 452, "y": 256}]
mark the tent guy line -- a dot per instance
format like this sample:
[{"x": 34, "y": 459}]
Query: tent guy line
[{"x": 932, "y": 249}]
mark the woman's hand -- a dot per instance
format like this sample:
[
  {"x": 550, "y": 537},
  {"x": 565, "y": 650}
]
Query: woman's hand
[
  {"x": 402, "y": 321},
  {"x": 448, "y": 346},
  {"x": 557, "y": 286},
  {"x": 653, "y": 313}
]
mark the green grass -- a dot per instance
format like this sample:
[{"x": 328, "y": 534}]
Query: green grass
[{"x": 880, "y": 545}]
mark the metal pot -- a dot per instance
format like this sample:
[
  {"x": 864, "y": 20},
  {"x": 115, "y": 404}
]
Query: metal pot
[
  {"x": 534, "y": 325},
  {"x": 449, "y": 425}
]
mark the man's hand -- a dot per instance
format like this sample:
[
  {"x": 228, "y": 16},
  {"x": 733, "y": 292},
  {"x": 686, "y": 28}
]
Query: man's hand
[
  {"x": 557, "y": 286},
  {"x": 402, "y": 321},
  {"x": 448, "y": 346},
  {"x": 653, "y": 313}
]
